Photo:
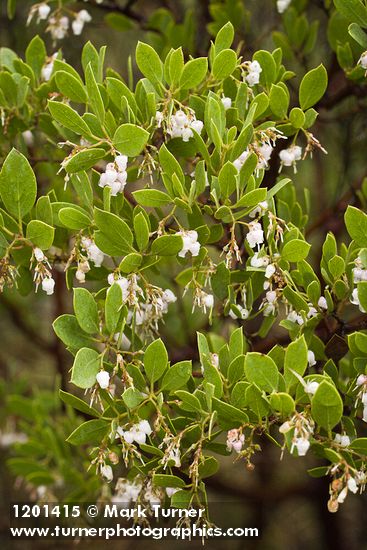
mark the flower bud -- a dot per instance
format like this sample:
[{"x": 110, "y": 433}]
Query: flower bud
[
  {"x": 227, "y": 102},
  {"x": 113, "y": 457},
  {"x": 322, "y": 303},
  {"x": 311, "y": 358},
  {"x": 38, "y": 254},
  {"x": 332, "y": 505}
]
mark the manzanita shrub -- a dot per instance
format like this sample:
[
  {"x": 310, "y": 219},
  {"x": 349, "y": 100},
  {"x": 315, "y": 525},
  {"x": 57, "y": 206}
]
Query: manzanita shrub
[{"x": 160, "y": 195}]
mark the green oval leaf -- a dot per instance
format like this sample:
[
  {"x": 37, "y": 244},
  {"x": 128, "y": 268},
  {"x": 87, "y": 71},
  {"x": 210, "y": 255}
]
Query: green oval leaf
[
  {"x": 18, "y": 186},
  {"x": 313, "y": 87}
]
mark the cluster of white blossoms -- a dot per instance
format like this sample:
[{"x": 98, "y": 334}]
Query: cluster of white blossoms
[
  {"x": 241, "y": 312},
  {"x": 94, "y": 253},
  {"x": 57, "y": 23},
  {"x": 263, "y": 147},
  {"x": 42, "y": 272},
  {"x": 81, "y": 18},
  {"x": 303, "y": 428},
  {"x": 295, "y": 317},
  {"x": 172, "y": 453},
  {"x": 255, "y": 235},
  {"x": 235, "y": 440},
  {"x": 259, "y": 260},
  {"x": 290, "y": 156},
  {"x": 263, "y": 151},
  {"x": 363, "y": 61},
  {"x": 58, "y": 26},
  {"x": 283, "y": 5},
  {"x": 253, "y": 76},
  {"x": 361, "y": 385},
  {"x": 149, "y": 314},
  {"x": 147, "y": 310},
  {"x": 137, "y": 433},
  {"x": 131, "y": 291},
  {"x": 181, "y": 125},
  {"x": 190, "y": 243},
  {"x": 115, "y": 175},
  {"x": 340, "y": 486},
  {"x": 350, "y": 486},
  {"x": 128, "y": 492}
]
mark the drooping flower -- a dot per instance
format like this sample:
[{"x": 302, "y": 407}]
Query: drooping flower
[
  {"x": 227, "y": 102},
  {"x": 48, "y": 285},
  {"x": 255, "y": 236},
  {"x": 289, "y": 157},
  {"x": 103, "y": 379},
  {"x": 190, "y": 243},
  {"x": 235, "y": 440}
]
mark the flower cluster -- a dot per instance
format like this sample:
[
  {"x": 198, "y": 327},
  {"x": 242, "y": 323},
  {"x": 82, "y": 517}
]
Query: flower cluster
[
  {"x": 42, "y": 272},
  {"x": 129, "y": 492},
  {"x": 181, "y": 125},
  {"x": 289, "y": 157},
  {"x": 238, "y": 310},
  {"x": 115, "y": 175},
  {"x": 151, "y": 312},
  {"x": 137, "y": 433},
  {"x": 190, "y": 243},
  {"x": 129, "y": 286},
  {"x": 172, "y": 455},
  {"x": 263, "y": 151},
  {"x": 57, "y": 22},
  {"x": 235, "y": 440},
  {"x": 303, "y": 428},
  {"x": 295, "y": 317},
  {"x": 93, "y": 252},
  {"x": 340, "y": 486},
  {"x": 81, "y": 17},
  {"x": 149, "y": 308},
  {"x": 253, "y": 76}
]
